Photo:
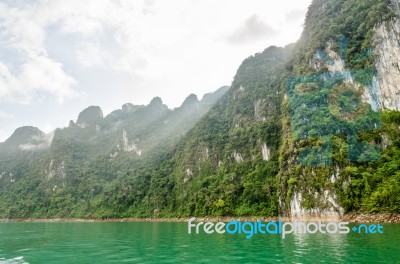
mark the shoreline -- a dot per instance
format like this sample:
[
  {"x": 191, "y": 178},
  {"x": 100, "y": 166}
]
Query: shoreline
[
  {"x": 371, "y": 218},
  {"x": 352, "y": 218}
]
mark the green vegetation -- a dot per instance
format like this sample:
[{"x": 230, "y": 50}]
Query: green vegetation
[
  {"x": 236, "y": 151},
  {"x": 327, "y": 122},
  {"x": 375, "y": 186}
]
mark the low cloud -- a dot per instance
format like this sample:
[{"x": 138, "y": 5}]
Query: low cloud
[
  {"x": 254, "y": 29},
  {"x": 38, "y": 143}
]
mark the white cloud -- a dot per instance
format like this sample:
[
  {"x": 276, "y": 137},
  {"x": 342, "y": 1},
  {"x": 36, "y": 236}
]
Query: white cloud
[
  {"x": 142, "y": 33},
  {"x": 109, "y": 52},
  {"x": 22, "y": 31},
  {"x": 38, "y": 74},
  {"x": 38, "y": 143},
  {"x": 92, "y": 56},
  {"x": 4, "y": 135},
  {"x": 44, "y": 74},
  {"x": 48, "y": 128}
]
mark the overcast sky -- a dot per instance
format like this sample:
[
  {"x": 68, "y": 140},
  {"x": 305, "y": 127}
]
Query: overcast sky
[{"x": 57, "y": 57}]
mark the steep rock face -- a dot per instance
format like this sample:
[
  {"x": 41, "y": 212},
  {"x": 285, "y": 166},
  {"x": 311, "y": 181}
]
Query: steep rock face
[
  {"x": 130, "y": 146},
  {"x": 332, "y": 211},
  {"x": 157, "y": 103},
  {"x": 230, "y": 157},
  {"x": 335, "y": 64},
  {"x": 387, "y": 62},
  {"x": 336, "y": 42},
  {"x": 311, "y": 194}
]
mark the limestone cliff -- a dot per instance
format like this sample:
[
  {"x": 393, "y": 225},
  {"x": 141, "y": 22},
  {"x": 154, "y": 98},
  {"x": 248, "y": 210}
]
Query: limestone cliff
[{"x": 386, "y": 45}]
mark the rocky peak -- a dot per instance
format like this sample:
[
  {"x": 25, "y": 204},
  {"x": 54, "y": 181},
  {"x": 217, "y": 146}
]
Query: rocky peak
[
  {"x": 128, "y": 107},
  {"x": 156, "y": 104},
  {"x": 156, "y": 101},
  {"x": 191, "y": 100},
  {"x": 91, "y": 116},
  {"x": 25, "y": 134}
]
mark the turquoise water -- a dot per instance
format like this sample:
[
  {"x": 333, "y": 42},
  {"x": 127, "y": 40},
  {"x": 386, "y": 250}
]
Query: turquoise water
[{"x": 170, "y": 243}]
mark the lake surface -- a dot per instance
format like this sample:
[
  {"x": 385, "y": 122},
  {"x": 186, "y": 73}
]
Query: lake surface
[{"x": 171, "y": 243}]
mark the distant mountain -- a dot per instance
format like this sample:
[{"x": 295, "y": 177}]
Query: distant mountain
[
  {"x": 91, "y": 116},
  {"x": 25, "y": 139}
]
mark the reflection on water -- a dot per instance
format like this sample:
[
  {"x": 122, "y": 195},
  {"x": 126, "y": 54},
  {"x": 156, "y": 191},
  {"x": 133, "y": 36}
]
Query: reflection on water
[
  {"x": 170, "y": 243},
  {"x": 16, "y": 260}
]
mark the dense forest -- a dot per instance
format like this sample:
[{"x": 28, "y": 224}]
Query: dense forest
[{"x": 303, "y": 129}]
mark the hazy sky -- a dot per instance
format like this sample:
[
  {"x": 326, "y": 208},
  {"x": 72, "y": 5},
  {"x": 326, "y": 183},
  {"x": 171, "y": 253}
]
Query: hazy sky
[{"x": 59, "y": 56}]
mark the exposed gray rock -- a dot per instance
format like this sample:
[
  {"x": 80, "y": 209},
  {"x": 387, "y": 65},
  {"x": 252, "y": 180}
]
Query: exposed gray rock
[{"x": 386, "y": 45}]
